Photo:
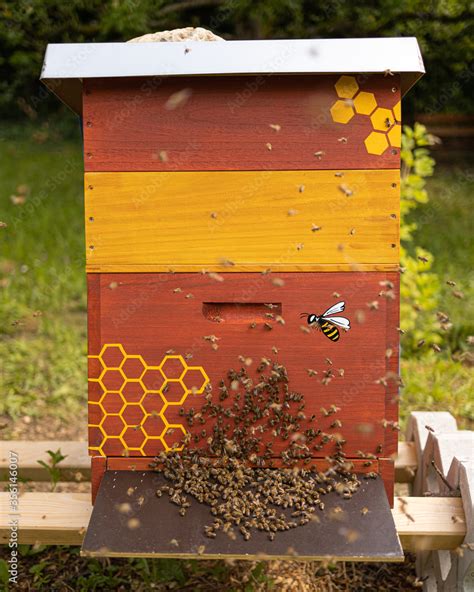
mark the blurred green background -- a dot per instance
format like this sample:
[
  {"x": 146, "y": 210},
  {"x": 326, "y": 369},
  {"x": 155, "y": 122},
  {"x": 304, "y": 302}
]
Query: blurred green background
[{"x": 43, "y": 379}]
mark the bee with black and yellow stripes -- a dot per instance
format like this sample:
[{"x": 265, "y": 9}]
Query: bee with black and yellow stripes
[{"x": 328, "y": 324}]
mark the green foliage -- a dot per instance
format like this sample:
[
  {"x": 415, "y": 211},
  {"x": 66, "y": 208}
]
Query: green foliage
[
  {"x": 258, "y": 576},
  {"x": 445, "y": 226},
  {"x": 29, "y": 550},
  {"x": 4, "y": 574},
  {"x": 40, "y": 573},
  {"x": 100, "y": 576},
  {"x": 443, "y": 28},
  {"x": 434, "y": 383},
  {"x": 52, "y": 466},
  {"x": 420, "y": 288},
  {"x": 42, "y": 280},
  {"x": 62, "y": 568}
]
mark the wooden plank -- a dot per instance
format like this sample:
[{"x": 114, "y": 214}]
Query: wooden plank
[
  {"x": 276, "y": 267},
  {"x": 75, "y": 467},
  {"x": 78, "y": 459},
  {"x": 405, "y": 462},
  {"x": 47, "y": 518},
  {"x": 223, "y": 123},
  {"x": 256, "y": 220},
  {"x": 148, "y": 317},
  {"x": 438, "y": 523},
  {"x": 117, "y": 463},
  {"x": 429, "y": 523}
]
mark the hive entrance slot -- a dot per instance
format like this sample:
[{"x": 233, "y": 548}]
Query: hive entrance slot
[
  {"x": 241, "y": 312},
  {"x": 129, "y": 520}
]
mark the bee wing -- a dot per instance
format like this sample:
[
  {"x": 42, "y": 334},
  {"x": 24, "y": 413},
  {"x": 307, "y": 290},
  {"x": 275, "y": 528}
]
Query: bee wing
[
  {"x": 339, "y": 307},
  {"x": 339, "y": 322}
]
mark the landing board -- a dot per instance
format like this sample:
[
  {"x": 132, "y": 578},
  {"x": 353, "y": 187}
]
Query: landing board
[{"x": 152, "y": 527}]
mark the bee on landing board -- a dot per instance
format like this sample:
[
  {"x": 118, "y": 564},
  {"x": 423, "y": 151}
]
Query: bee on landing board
[{"x": 327, "y": 323}]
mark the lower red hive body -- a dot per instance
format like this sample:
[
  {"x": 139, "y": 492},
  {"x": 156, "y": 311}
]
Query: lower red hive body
[{"x": 156, "y": 340}]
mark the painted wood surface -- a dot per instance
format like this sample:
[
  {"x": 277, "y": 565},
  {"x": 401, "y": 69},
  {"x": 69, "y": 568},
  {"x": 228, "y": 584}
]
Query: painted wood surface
[
  {"x": 98, "y": 467},
  {"x": 115, "y": 463},
  {"x": 152, "y": 314},
  {"x": 225, "y": 123},
  {"x": 386, "y": 469},
  {"x": 236, "y": 221}
]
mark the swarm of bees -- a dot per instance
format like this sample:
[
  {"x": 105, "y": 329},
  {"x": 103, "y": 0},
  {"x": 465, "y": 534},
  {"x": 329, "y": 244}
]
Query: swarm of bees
[{"x": 248, "y": 482}]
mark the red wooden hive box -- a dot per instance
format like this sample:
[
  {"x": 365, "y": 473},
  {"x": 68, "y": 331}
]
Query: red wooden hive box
[{"x": 221, "y": 178}]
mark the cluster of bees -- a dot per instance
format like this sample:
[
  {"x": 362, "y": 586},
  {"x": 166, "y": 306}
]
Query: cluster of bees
[{"x": 227, "y": 464}]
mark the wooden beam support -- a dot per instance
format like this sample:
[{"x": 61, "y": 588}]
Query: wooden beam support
[
  {"x": 405, "y": 462},
  {"x": 77, "y": 460},
  {"x": 62, "y": 519},
  {"x": 75, "y": 467}
]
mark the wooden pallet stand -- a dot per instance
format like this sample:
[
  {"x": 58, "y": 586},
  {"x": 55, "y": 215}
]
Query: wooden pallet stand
[{"x": 446, "y": 468}]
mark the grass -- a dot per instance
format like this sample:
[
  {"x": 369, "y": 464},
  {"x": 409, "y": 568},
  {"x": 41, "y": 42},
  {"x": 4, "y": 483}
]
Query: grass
[
  {"x": 43, "y": 329},
  {"x": 445, "y": 227},
  {"x": 42, "y": 295},
  {"x": 438, "y": 384}
]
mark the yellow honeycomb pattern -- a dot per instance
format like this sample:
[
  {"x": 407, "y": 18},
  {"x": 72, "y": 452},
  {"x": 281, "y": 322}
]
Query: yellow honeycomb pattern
[
  {"x": 385, "y": 122},
  {"x": 132, "y": 398}
]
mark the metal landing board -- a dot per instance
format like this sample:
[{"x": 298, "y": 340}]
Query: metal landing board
[{"x": 152, "y": 527}]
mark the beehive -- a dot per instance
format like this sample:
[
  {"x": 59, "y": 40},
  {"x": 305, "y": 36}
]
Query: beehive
[{"x": 229, "y": 188}]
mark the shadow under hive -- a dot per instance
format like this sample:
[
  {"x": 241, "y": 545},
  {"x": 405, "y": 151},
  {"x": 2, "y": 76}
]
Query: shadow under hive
[{"x": 218, "y": 210}]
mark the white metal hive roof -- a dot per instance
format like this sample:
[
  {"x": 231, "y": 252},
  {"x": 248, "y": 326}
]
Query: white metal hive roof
[{"x": 66, "y": 65}]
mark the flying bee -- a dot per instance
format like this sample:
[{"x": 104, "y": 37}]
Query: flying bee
[{"x": 327, "y": 323}]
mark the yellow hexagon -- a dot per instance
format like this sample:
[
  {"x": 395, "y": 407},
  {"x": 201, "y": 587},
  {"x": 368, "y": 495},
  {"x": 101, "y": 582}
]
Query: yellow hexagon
[
  {"x": 111, "y": 379},
  {"x": 170, "y": 433},
  {"x": 382, "y": 119},
  {"x": 174, "y": 392},
  {"x": 178, "y": 366},
  {"x": 154, "y": 425},
  {"x": 397, "y": 111},
  {"x": 112, "y": 446},
  {"x": 112, "y": 425},
  {"x": 112, "y": 402},
  {"x": 133, "y": 366},
  {"x": 346, "y": 87},
  {"x": 395, "y": 136},
  {"x": 195, "y": 379},
  {"x": 133, "y": 414},
  {"x": 341, "y": 112},
  {"x": 149, "y": 446},
  {"x": 376, "y": 143},
  {"x": 365, "y": 103},
  {"x": 114, "y": 351}
]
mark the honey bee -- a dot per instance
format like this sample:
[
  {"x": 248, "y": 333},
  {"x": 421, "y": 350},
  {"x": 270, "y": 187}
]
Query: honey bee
[{"x": 329, "y": 324}]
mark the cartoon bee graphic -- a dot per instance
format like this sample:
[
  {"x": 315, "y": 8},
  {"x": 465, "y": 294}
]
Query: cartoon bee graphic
[{"x": 328, "y": 324}]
